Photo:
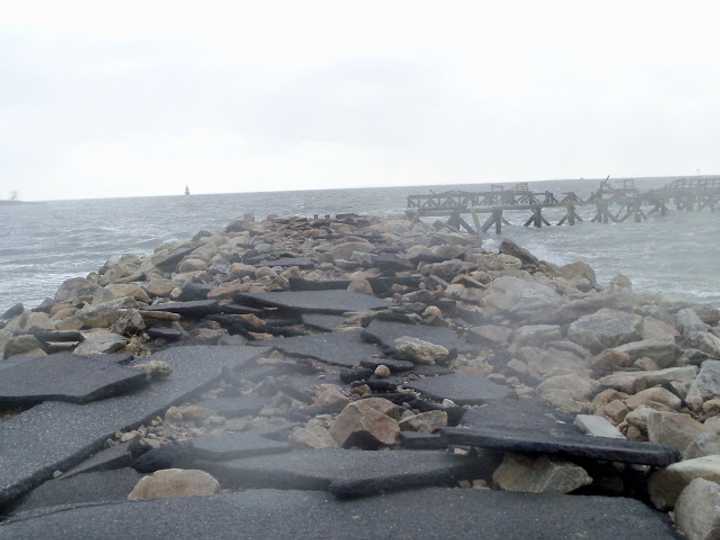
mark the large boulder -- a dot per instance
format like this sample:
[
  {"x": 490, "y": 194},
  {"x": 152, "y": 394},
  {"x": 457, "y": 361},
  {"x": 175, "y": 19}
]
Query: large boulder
[
  {"x": 705, "y": 342},
  {"x": 539, "y": 475},
  {"x": 570, "y": 393},
  {"x": 673, "y": 429},
  {"x": 75, "y": 289},
  {"x": 174, "y": 483},
  {"x": 605, "y": 329},
  {"x": 688, "y": 322},
  {"x": 26, "y": 345},
  {"x": 520, "y": 296},
  {"x": 697, "y": 512},
  {"x": 663, "y": 351},
  {"x": 666, "y": 485}
]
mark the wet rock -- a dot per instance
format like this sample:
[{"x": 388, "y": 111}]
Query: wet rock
[
  {"x": 100, "y": 341},
  {"x": 13, "y": 311},
  {"x": 425, "y": 422},
  {"x": 539, "y": 475},
  {"x": 696, "y": 511},
  {"x": 361, "y": 424},
  {"x": 605, "y": 329},
  {"x": 419, "y": 351},
  {"x": 174, "y": 483},
  {"x": 705, "y": 386},
  {"x": 666, "y": 485}
]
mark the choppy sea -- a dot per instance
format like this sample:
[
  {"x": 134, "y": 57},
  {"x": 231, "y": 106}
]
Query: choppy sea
[{"x": 42, "y": 244}]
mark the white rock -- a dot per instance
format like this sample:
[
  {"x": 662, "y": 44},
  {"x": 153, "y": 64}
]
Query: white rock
[{"x": 697, "y": 512}]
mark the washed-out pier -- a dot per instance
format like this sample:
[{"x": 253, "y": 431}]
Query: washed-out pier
[{"x": 614, "y": 202}]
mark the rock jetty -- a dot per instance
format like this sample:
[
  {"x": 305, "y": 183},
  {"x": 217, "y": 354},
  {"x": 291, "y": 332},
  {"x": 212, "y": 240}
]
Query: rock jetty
[{"x": 356, "y": 377}]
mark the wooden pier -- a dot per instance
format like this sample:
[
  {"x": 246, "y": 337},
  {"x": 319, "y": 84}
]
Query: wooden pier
[{"x": 613, "y": 202}]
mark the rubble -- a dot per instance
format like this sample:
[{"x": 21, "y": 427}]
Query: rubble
[{"x": 358, "y": 355}]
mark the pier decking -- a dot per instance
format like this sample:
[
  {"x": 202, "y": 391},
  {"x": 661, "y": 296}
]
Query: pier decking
[{"x": 614, "y": 202}]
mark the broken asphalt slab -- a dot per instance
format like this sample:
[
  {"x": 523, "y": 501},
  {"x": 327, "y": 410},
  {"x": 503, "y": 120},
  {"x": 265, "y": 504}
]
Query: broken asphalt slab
[
  {"x": 338, "y": 348},
  {"x": 57, "y": 436},
  {"x": 100, "y": 486},
  {"x": 386, "y": 332},
  {"x": 191, "y": 309},
  {"x": 430, "y": 514},
  {"x": 235, "y": 446},
  {"x": 66, "y": 377},
  {"x": 570, "y": 446},
  {"x": 460, "y": 388},
  {"x": 333, "y": 301},
  {"x": 318, "y": 321},
  {"x": 352, "y": 473}
]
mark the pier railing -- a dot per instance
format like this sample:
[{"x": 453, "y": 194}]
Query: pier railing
[{"x": 614, "y": 201}]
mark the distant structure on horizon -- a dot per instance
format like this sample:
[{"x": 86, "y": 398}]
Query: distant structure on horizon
[
  {"x": 14, "y": 196},
  {"x": 187, "y": 190}
]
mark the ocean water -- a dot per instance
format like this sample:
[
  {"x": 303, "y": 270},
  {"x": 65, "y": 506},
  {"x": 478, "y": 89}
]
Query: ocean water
[{"x": 42, "y": 244}]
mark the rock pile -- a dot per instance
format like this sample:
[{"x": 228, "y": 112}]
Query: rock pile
[{"x": 359, "y": 356}]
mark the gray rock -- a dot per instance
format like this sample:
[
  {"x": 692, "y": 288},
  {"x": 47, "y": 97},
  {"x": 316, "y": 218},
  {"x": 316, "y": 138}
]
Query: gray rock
[
  {"x": 100, "y": 341},
  {"x": 706, "y": 385},
  {"x": 663, "y": 351},
  {"x": 688, "y": 322},
  {"x": 539, "y": 475},
  {"x": 519, "y": 296},
  {"x": 705, "y": 342},
  {"x": 673, "y": 429},
  {"x": 490, "y": 335},
  {"x": 666, "y": 485},
  {"x": 537, "y": 334},
  {"x": 696, "y": 511},
  {"x": 706, "y": 443},
  {"x": 298, "y": 515},
  {"x": 605, "y": 329},
  {"x": 22, "y": 345},
  {"x": 634, "y": 381}
]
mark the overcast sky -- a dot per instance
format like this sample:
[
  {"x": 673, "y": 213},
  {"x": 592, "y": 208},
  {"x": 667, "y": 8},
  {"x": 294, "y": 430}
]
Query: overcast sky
[{"x": 103, "y": 99}]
